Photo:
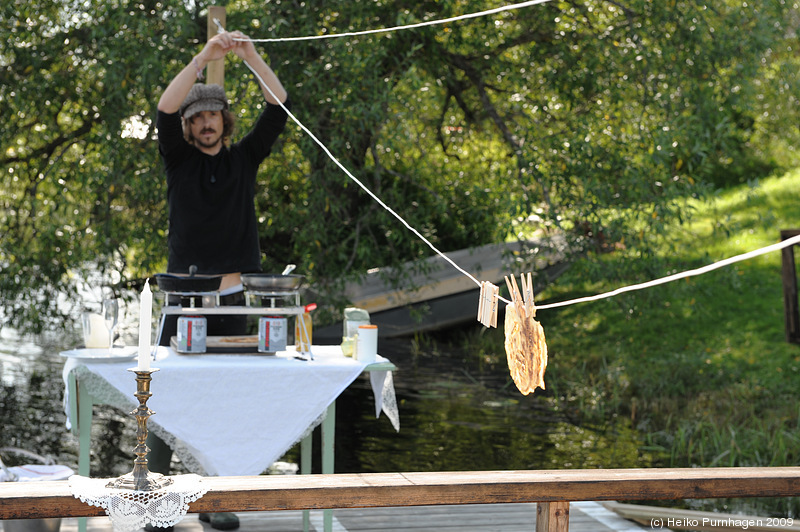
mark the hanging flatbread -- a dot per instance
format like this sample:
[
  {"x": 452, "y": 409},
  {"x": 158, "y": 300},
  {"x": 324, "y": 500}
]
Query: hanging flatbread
[{"x": 526, "y": 348}]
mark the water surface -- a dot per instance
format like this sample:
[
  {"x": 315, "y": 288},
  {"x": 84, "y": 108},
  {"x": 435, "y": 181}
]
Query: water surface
[{"x": 455, "y": 415}]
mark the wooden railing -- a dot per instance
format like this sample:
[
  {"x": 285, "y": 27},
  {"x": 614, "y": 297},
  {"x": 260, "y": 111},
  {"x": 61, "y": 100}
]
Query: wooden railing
[{"x": 553, "y": 490}]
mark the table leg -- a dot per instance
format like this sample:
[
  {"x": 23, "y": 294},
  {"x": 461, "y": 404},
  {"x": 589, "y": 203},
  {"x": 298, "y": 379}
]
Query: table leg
[
  {"x": 305, "y": 469},
  {"x": 85, "y": 404},
  {"x": 328, "y": 433},
  {"x": 80, "y": 408},
  {"x": 306, "y": 446},
  {"x": 328, "y": 438},
  {"x": 72, "y": 392}
]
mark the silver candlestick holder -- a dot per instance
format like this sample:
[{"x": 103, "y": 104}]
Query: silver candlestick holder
[{"x": 141, "y": 479}]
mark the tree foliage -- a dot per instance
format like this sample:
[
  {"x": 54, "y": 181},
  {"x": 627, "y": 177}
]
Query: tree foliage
[{"x": 590, "y": 118}]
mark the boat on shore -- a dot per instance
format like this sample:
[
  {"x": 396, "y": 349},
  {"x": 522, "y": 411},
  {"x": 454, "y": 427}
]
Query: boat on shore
[{"x": 436, "y": 295}]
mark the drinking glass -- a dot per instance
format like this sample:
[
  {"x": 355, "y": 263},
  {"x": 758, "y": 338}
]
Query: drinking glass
[{"x": 110, "y": 316}]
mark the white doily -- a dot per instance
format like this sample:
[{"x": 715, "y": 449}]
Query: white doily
[
  {"x": 131, "y": 510},
  {"x": 383, "y": 387}
]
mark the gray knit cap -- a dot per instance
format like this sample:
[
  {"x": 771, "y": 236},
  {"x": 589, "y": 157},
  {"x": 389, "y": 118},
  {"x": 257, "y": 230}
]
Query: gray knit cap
[{"x": 204, "y": 98}]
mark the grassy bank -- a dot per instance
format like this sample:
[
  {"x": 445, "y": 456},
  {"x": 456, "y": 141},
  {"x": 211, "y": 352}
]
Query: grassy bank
[
  {"x": 701, "y": 356},
  {"x": 700, "y": 367}
]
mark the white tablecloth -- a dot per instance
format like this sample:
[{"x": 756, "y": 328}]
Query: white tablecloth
[{"x": 233, "y": 414}]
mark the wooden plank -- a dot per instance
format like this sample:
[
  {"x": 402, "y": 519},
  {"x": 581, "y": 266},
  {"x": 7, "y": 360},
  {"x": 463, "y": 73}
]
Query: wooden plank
[
  {"x": 552, "y": 517},
  {"x": 490, "y": 262},
  {"x": 428, "y": 314},
  {"x": 25, "y": 500},
  {"x": 411, "y": 489},
  {"x": 438, "y": 295},
  {"x": 474, "y": 518},
  {"x": 583, "y": 512},
  {"x": 460, "y": 518}
]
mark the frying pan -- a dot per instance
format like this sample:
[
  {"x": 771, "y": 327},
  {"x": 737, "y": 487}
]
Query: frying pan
[
  {"x": 271, "y": 282},
  {"x": 168, "y": 282}
]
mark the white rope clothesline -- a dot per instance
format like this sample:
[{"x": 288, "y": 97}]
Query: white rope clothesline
[
  {"x": 682, "y": 275},
  {"x": 403, "y": 27},
  {"x": 350, "y": 175},
  {"x": 359, "y": 183},
  {"x": 631, "y": 288}
]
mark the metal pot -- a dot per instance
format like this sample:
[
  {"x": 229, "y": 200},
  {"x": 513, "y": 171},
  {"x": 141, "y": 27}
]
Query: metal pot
[
  {"x": 271, "y": 282},
  {"x": 168, "y": 282}
]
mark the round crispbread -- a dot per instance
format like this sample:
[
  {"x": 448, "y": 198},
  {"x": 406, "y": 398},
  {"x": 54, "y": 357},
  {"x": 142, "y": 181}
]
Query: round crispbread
[{"x": 526, "y": 350}]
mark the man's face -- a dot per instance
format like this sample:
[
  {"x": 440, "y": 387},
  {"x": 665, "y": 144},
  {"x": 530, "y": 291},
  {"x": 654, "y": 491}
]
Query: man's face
[{"x": 207, "y": 128}]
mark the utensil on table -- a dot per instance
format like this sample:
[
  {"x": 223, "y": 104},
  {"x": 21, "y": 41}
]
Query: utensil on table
[
  {"x": 94, "y": 330},
  {"x": 110, "y": 316},
  {"x": 302, "y": 334},
  {"x": 154, "y": 348}
]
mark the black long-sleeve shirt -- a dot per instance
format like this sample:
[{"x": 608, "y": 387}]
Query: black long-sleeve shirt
[{"x": 212, "y": 219}]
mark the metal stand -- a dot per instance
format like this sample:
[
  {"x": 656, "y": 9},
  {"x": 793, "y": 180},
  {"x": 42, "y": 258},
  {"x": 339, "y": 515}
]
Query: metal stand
[
  {"x": 141, "y": 479},
  {"x": 287, "y": 297}
]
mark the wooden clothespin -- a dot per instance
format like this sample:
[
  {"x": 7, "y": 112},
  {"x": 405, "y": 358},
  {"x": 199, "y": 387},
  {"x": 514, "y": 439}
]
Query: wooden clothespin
[
  {"x": 514, "y": 293},
  {"x": 522, "y": 299},
  {"x": 487, "y": 304},
  {"x": 527, "y": 295}
]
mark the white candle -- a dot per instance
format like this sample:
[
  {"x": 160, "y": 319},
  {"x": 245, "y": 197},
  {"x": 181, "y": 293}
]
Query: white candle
[{"x": 145, "y": 315}]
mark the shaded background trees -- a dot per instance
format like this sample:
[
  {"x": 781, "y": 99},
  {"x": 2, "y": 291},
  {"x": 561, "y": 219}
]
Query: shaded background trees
[{"x": 594, "y": 118}]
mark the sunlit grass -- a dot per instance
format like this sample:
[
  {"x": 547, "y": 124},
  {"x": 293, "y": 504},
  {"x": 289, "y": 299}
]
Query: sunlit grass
[
  {"x": 700, "y": 367},
  {"x": 706, "y": 363}
]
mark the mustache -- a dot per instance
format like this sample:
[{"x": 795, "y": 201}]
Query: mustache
[{"x": 208, "y": 130}]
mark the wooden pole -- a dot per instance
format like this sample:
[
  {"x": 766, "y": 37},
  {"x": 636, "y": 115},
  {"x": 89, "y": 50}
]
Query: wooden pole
[
  {"x": 552, "y": 516},
  {"x": 215, "y": 70},
  {"x": 790, "y": 301}
]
